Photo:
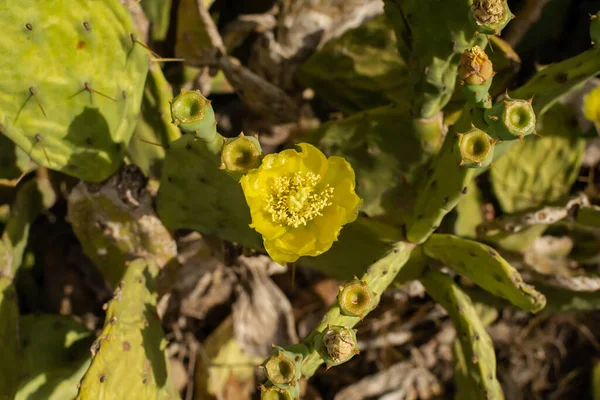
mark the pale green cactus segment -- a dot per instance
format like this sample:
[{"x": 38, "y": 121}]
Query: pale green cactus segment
[
  {"x": 129, "y": 355},
  {"x": 115, "y": 222},
  {"x": 595, "y": 28},
  {"x": 32, "y": 199},
  {"x": 379, "y": 276},
  {"x": 541, "y": 170},
  {"x": 489, "y": 16},
  {"x": 475, "y": 350},
  {"x": 192, "y": 112},
  {"x": 55, "y": 356},
  {"x": 486, "y": 268},
  {"x": 154, "y": 130},
  {"x": 511, "y": 119},
  {"x": 445, "y": 186},
  {"x": 9, "y": 337},
  {"x": 435, "y": 35},
  {"x": 553, "y": 81},
  {"x": 71, "y": 90},
  {"x": 336, "y": 345},
  {"x": 195, "y": 194}
]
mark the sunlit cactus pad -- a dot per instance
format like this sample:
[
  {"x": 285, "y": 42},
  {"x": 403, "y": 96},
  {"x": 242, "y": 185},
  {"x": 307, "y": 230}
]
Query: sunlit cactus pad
[{"x": 71, "y": 81}]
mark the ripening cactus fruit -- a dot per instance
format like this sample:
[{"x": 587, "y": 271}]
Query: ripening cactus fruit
[
  {"x": 355, "y": 298},
  {"x": 71, "y": 82},
  {"x": 489, "y": 16},
  {"x": 336, "y": 345},
  {"x": 241, "y": 154},
  {"x": 476, "y": 148},
  {"x": 192, "y": 112},
  {"x": 283, "y": 368}
]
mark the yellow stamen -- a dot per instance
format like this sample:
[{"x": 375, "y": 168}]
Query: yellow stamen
[{"x": 294, "y": 201}]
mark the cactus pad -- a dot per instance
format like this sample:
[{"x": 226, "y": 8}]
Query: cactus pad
[
  {"x": 540, "y": 170},
  {"x": 71, "y": 81},
  {"x": 484, "y": 266},
  {"x": 195, "y": 194},
  {"x": 556, "y": 80},
  {"x": 154, "y": 130},
  {"x": 128, "y": 358},
  {"x": 115, "y": 222},
  {"x": 9, "y": 337},
  {"x": 56, "y": 355},
  {"x": 475, "y": 349}
]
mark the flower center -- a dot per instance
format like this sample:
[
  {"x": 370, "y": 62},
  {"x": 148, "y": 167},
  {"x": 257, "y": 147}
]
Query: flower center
[{"x": 294, "y": 201}]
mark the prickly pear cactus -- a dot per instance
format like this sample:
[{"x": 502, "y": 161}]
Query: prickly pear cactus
[
  {"x": 9, "y": 336},
  {"x": 115, "y": 223},
  {"x": 154, "y": 130},
  {"x": 475, "y": 348},
  {"x": 55, "y": 356},
  {"x": 542, "y": 169},
  {"x": 195, "y": 194},
  {"x": 71, "y": 80},
  {"x": 484, "y": 266},
  {"x": 128, "y": 358}
]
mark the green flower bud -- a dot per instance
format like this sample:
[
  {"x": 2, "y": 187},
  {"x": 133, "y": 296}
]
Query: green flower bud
[
  {"x": 271, "y": 392},
  {"x": 476, "y": 148},
  {"x": 355, "y": 298}
]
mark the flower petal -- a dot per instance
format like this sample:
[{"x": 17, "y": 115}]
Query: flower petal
[
  {"x": 279, "y": 256},
  {"x": 298, "y": 240},
  {"x": 263, "y": 224},
  {"x": 313, "y": 159}
]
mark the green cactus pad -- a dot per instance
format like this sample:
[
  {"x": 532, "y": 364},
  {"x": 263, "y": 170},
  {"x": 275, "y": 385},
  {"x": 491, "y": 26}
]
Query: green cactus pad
[
  {"x": 115, "y": 222},
  {"x": 540, "y": 170},
  {"x": 446, "y": 185},
  {"x": 9, "y": 337},
  {"x": 435, "y": 36},
  {"x": 128, "y": 358},
  {"x": 159, "y": 14},
  {"x": 368, "y": 69},
  {"x": 484, "y": 266},
  {"x": 56, "y": 355},
  {"x": 71, "y": 79},
  {"x": 371, "y": 142},
  {"x": 476, "y": 148},
  {"x": 154, "y": 130},
  {"x": 589, "y": 217},
  {"x": 195, "y": 194},
  {"x": 475, "y": 349},
  {"x": 13, "y": 162},
  {"x": 33, "y": 198},
  {"x": 556, "y": 80}
]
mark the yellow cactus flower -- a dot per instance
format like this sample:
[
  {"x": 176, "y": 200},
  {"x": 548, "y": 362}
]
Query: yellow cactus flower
[
  {"x": 591, "y": 106},
  {"x": 299, "y": 201}
]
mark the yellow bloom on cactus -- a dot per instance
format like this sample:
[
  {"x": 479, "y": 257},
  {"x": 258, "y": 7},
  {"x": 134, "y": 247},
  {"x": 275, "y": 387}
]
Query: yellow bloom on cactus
[
  {"x": 591, "y": 106},
  {"x": 299, "y": 201}
]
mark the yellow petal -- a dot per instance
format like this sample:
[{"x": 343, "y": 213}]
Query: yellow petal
[
  {"x": 277, "y": 254},
  {"x": 298, "y": 240},
  {"x": 345, "y": 196},
  {"x": 313, "y": 159},
  {"x": 263, "y": 224}
]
